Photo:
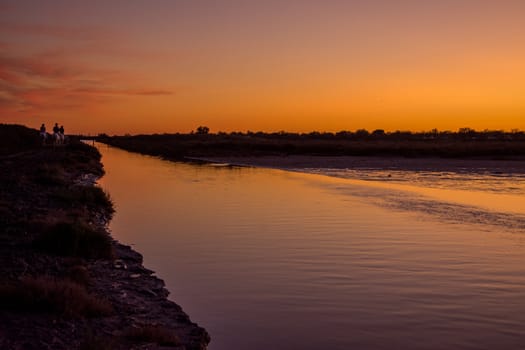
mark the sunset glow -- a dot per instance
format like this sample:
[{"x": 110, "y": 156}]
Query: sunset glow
[{"x": 299, "y": 65}]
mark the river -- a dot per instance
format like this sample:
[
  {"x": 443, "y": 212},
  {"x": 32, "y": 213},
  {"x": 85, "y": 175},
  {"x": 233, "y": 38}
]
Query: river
[{"x": 272, "y": 259}]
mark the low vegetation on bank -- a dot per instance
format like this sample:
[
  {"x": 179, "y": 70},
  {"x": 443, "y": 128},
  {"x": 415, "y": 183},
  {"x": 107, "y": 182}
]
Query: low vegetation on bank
[
  {"x": 465, "y": 143},
  {"x": 64, "y": 282},
  {"x": 48, "y": 294}
]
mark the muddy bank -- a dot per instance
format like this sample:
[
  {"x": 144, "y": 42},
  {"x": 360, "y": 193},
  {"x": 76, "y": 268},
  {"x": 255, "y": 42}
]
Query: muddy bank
[
  {"x": 65, "y": 283},
  {"x": 515, "y": 166}
]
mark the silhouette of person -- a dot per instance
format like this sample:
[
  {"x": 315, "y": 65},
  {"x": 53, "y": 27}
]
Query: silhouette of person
[
  {"x": 56, "y": 129},
  {"x": 61, "y": 133},
  {"x": 43, "y": 134}
]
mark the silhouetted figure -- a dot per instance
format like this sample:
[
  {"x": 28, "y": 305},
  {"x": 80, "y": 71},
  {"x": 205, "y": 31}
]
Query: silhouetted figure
[
  {"x": 56, "y": 134},
  {"x": 61, "y": 134},
  {"x": 43, "y": 134}
]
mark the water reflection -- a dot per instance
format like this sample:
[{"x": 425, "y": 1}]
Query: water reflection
[{"x": 266, "y": 259}]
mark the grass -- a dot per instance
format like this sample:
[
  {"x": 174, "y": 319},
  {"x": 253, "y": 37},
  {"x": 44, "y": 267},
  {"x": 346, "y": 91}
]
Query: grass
[
  {"x": 17, "y": 138},
  {"x": 153, "y": 334},
  {"x": 92, "y": 342},
  {"x": 90, "y": 196},
  {"x": 49, "y": 175},
  {"x": 51, "y": 295},
  {"x": 78, "y": 274},
  {"x": 75, "y": 239}
]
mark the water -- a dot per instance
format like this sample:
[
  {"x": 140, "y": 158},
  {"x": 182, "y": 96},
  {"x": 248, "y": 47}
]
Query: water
[{"x": 269, "y": 259}]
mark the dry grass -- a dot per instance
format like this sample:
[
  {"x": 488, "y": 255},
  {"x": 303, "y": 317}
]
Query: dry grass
[
  {"x": 75, "y": 239},
  {"x": 78, "y": 274},
  {"x": 49, "y": 175},
  {"x": 153, "y": 334},
  {"x": 51, "y": 295},
  {"x": 92, "y": 342},
  {"x": 89, "y": 196}
]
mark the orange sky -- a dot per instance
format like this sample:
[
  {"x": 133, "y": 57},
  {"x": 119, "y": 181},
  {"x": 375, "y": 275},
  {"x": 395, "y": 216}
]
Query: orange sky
[{"x": 131, "y": 66}]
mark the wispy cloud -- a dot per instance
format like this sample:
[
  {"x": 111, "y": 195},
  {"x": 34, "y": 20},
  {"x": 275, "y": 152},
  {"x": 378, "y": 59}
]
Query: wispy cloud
[
  {"x": 45, "y": 82},
  {"x": 99, "y": 91},
  {"x": 55, "y": 31}
]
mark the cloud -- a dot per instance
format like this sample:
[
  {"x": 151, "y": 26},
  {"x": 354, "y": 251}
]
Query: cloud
[
  {"x": 65, "y": 73},
  {"x": 80, "y": 41},
  {"x": 102, "y": 91},
  {"x": 54, "y": 31},
  {"x": 35, "y": 83}
]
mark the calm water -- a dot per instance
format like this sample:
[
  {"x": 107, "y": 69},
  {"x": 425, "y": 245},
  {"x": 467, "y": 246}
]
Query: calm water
[{"x": 268, "y": 259}]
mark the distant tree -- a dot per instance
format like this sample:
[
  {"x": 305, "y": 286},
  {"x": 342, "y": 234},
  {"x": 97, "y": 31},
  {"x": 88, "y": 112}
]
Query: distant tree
[
  {"x": 378, "y": 132},
  {"x": 466, "y": 131},
  {"x": 343, "y": 133},
  {"x": 202, "y": 130},
  {"x": 362, "y": 132}
]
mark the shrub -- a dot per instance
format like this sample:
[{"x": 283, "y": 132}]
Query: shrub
[
  {"x": 153, "y": 334},
  {"x": 90, "y": 196},
  {"x": 51, "y": 175},
  {"x": 75, "y": 239},
  {"x": 50, "y": 295},
  {"x": 92, "y": 342},
  {"x": 78, "y": 274}
]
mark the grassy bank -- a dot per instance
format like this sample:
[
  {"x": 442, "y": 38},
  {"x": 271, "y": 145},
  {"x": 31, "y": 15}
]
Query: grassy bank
[{"x": 64, "y": 282}]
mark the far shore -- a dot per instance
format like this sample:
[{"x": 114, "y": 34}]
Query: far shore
[
  {"x": 515, "y": 166},
  {"x": 440, "y": 151}
]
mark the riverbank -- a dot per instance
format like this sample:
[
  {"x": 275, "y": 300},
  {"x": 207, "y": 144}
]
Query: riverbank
[
  {"x": 445, "y": 145},
  {"x": 415, "y": 152},
  {"x": 481, "y": 165},
  {"x": 65, "y": 283}
]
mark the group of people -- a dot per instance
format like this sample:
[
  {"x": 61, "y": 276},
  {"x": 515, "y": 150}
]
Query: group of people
[{"x": 57, "y": 136}]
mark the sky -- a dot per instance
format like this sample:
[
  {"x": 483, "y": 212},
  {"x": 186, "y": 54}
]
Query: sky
[{"x": 163, "y": 66}]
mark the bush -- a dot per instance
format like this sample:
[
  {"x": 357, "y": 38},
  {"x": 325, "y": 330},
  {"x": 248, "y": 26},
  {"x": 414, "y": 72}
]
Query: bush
[
  {"x": 50, "y": 295},
  {"x": 78, "y": 274},
  {"x": 75, "y": 239},
  {"x": 92, "y": 342},
  {"x": 51, "y": 175},
  {"x": 91, "y": 196},
  {"x": 153, "y": 334}
]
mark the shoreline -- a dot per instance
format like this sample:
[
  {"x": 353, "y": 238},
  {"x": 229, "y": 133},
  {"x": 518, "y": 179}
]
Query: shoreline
[
  {"x": 65, "y": 282},
  {"x": 292, "y": 162}
]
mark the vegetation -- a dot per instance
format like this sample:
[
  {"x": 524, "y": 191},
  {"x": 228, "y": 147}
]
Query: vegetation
[
  {"x": 87, "y": 196},
  {"x": 464, "y": 143},
  {"x": 51, "y": 295},
  {"x": 75, "y": 239},
  {"x": 17, "y": 138},
  {"x": 153, "y": 334},
  {"x": 78, "y": 274},
  {"x": 57, "y": 257},
  {"x": 93, "y": 342}
]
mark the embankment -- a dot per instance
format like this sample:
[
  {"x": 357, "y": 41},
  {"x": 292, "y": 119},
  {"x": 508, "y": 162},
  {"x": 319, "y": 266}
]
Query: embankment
[{"x": 64, "y": 282}]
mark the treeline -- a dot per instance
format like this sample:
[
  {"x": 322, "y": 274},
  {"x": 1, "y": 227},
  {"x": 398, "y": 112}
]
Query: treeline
[
  {"x": 465, "y": 142},
  {"x": 360, "y": 134},
  {"x": 363, "y": 134}
]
